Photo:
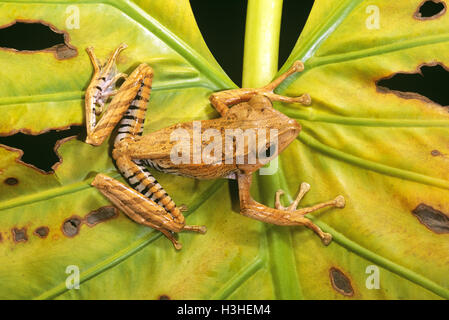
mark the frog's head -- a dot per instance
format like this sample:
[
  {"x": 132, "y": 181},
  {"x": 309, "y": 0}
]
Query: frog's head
[
  {"x": 281, "y": 130},
  {"x": 287, "y": 132}
]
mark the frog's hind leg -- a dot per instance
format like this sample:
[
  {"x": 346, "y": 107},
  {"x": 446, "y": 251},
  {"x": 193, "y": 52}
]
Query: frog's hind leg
[
  {"x": 289, "y": 216},
  {"x": 146, "y": 201},
  {"x": 142, "y": 209},
  {"x": 141, "y": 180},
  {"x": 128, "y": 104},
  {"x": 135, "y": 206}
]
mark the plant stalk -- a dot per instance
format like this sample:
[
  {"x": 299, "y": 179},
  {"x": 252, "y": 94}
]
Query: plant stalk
[{"x": 260, "y": 64}]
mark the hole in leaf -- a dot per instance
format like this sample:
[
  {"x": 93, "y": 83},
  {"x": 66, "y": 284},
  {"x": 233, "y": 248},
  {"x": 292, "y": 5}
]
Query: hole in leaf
[
  {"x": 428, "y": 83},
  {"x": 39, "y": 151},
  {"x": 41, "y": 232},
  {"x": 71, "y": 226},
  {"x": 433, "y": 219},
  {"x": 164, "y": 297},
  {"x": 100, "y": 215},
  {"x": 430, "y": 10},
  {"x": 34, "y": 36},
  {"x": 19, "y": 235},
  {"x": 340, "y": 282}
]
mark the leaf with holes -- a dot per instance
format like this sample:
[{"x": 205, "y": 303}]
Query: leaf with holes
[
  {"x": 384, "y": 149},
  {"x": 51, "y": 217}
]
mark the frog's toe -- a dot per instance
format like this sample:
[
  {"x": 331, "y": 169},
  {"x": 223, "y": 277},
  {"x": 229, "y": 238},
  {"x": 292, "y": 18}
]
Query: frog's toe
[
  {"x": 277, "y": 202},
  {"x": 340, "y": 202},
  {"x": 326, "y": 239}
]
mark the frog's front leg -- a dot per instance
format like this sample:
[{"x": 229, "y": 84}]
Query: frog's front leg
[
  {"x": 224, "y": 99},
  {"x": 290, "y": 216}
]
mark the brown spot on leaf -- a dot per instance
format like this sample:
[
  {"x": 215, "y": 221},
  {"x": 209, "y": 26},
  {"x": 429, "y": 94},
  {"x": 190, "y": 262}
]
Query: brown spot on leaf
[
  {"x": 433, "y": 219},
  {"x": 435, "y": 153},
  {"x": 100, "y": 215},
  {"x": 430, "y": 9},
  {"x": 164, "y": 297},
  {"x": 340, "y": 282},
  {"x": 19, "y": 235},
  {"x": 71, "y": 226},
  {"x": 41, "y": 232},
  {"x": 32, "y": 36},
  {"x": 11, "y": 181},
  {"x": 427, "y": 83}
]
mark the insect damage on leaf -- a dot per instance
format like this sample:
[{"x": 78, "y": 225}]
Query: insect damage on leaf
[
  {"x": 435, "y": 153},
  {"x": 71, "y": 226},
  {"x": 42, "y": 232},
  {"x": 19, "y": 235},
  {"x": 31, "y": 36},
  {"x": 433, "y": 219},
  {"x": 340, "y": 282},
  {"x": 430, "y": 9},
  {"x": 38, "y": 151},
  {"x": 100, "y": 215},
  {"x": 428, "y": 83},
  {"x": 11, "y": 181}
]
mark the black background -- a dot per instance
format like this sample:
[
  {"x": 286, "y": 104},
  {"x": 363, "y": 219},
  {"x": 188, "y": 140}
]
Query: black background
[{"x": 222, "y": 24}]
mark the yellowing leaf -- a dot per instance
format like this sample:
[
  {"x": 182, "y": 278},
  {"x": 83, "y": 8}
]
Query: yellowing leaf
[{"x": 373, "y": 147}]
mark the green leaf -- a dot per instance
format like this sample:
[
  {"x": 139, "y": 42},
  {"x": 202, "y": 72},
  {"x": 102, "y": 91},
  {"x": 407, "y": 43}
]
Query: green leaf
[
  {"x": 40, "y": 93},
  {"x": 372, "y": 147}
]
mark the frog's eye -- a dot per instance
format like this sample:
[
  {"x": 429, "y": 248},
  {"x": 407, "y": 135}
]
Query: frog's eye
[{"x": 270, "y": 151}]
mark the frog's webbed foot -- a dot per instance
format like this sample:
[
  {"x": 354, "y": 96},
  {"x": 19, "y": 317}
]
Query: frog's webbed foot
[
  {"x": 298, "y": 214},
  {"x": 302, "y": 191},
  {"x": 280, "y": 215}
]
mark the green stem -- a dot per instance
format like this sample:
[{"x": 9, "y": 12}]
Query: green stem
[
  {"x": 263, "y": 24},
  {"x": 260, "y": 63}
]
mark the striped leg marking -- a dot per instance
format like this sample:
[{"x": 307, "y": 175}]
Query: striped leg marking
[
  {"x": 128, "y": 104},
  {"x": 141, "y": 209},
  {"x": 146, "y": 202}
]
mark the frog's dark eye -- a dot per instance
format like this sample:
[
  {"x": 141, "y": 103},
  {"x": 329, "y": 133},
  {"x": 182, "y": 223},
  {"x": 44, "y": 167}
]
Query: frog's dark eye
[{"x": 268, "y": 152}]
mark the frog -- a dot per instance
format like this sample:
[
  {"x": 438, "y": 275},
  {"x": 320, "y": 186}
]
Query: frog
[{"x": 144, "y": 200}]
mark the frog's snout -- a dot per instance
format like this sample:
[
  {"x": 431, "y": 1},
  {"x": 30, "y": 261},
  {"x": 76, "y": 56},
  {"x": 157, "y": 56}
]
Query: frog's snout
[{"x": 294, "y": 126}]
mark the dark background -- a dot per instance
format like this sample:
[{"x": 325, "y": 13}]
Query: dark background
[{"x": 222, "y": 24}]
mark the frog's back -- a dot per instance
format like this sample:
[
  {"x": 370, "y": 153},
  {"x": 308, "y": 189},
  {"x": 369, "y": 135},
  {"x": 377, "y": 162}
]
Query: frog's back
[{"x": 203, "y": 149}]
